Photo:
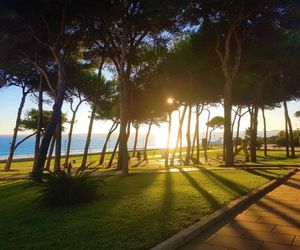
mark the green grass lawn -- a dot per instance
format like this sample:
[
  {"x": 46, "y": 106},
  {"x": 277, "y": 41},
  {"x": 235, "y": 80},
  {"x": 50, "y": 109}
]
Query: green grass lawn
[
  {"x": 134, "y": 212},
  {"x": 277, "y": 158},
  {"x": 23, "y": 168}
]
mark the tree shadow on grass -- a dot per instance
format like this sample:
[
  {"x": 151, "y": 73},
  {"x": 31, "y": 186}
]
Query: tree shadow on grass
[
  {"x": 210, "y": 198},
  {"x": 260, "y": 173},
  {"x": 168, "y": 192},
  {"x": 12, "y": 188},
  {"x": 272, "y": 158},
  {"x": 225, "y": 183},
  {"x": 167, "y": 202}
]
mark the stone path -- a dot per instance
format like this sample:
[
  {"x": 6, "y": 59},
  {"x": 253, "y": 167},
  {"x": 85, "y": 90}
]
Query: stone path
[{"x": 273, "y": 222}]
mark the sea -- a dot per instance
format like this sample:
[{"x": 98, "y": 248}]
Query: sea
[{"x": 26, "y": 149}]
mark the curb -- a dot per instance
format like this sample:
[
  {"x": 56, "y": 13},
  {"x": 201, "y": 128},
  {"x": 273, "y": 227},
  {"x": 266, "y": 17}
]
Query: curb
[{"x": 232, "y": 209}]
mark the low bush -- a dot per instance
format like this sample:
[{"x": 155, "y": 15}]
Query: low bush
[{"x": 62, "y": 189}]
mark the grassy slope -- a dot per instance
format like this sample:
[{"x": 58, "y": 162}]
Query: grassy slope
[{"x": 135, "y": 212}]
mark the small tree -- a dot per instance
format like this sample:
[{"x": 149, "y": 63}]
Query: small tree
[{"x": 214, "y": 123}]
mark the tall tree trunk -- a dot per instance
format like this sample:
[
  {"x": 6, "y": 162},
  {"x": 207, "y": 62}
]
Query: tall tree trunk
[
  {"x": 88, "y": 138},
  {"x": 57, "y": 163},
  {"x": 188, "y": 138},
  {"x": 128, "y": 130},
  {"x": 209, "y": 138},
  {"x": 238, "y": 130},
  {"x": 196, "y": 134},
  {"x": 198, "y": 112},
  {"x": 253, "y": 137},
  {"x": 179, "y": 137},
  {"x": 39, "y": 122},
  {"x": 224, "y": 149},
  {"x": 92, "y": 118},
  {"x": 51, "y": 149},
  {"x": 206, "y": 135},
  {"x": 74, "y": 113},
  {"x": 234, "y": 119},
  {"x": 16, "y": 129},
  {"x": 50, "y": 130},
  {"x": 227, "y": 123},
  {"x": 287, "y": 141},
  {"x": 113, "y": 153},
  {"x": 290, "y": 128},
  {"x": 112, "y": 129},
  {"x": 168, "y": 141},
  {"x": 146, "y": 140},
  {"x": 123, "y": 107},
  {"x": 265, "y": 131},
  {"x": 194, "y": 140},
  {"x": 137, "y": 126}
]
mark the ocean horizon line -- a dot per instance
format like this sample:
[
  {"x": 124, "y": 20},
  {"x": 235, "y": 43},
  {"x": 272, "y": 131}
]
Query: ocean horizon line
[{"x": 142, "y": 133}]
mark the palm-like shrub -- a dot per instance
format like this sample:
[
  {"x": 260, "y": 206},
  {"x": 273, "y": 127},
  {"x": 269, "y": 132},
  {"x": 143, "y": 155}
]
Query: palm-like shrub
[{"x": 61, "y": 189}]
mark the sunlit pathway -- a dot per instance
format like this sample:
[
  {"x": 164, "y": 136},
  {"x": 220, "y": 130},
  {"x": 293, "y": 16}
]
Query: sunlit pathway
[{"x": 273, "y": 222}]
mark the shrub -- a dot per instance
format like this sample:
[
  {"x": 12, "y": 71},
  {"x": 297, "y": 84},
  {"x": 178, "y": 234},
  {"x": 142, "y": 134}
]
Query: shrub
[{"x": 61, "y": 189}]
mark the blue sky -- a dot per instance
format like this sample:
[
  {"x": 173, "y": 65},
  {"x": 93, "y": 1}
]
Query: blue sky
[{"x": 10, "y": 99}]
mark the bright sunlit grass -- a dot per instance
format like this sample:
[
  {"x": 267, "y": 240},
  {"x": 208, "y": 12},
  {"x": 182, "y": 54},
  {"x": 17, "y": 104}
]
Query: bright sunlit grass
[{"x": 135, "y": 212}]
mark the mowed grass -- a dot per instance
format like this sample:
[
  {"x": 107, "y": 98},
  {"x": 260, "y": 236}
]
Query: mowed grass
[
  {"x": 20, "y": 169},
  {"x": 135, "y": 212},
  {"x": 277, "y": 158}
]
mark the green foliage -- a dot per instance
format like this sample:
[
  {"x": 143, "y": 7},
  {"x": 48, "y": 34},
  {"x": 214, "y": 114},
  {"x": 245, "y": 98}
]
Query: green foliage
[
  {"x": 30, "y": 120},
  {"x": 216, "y": 122},
  {"x": 280, "y": 138},
  {"x": 62, "y": 189}
]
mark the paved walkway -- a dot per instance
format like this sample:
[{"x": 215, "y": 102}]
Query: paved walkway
[{"x": 272, "y": 222}]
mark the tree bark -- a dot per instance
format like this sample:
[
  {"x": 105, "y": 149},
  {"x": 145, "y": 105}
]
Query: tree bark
[
  {"x": 227, "y": 123},
  {"x": 265, "y": 131},
  {"x": 198, "y": 113},
  {"x": 209, "y": 138},
  {"x": 194, "y": 140},
  {"x": 137, "y": 126},
  {"x": 188, "y": 138},
  {"x": 234, "y": 118},
  {"x": 287, "y": 141},
  {"x": 238, "y": 130},
  {"x": 290, "y": 128},
  {"x": 179, "y": 137},
  {"x": 16, "y": 129},
  {"x": 113, "y": 153},
  {"x": 168, "y": 141},
  {"x": 123, "y": 107},
  {"x": 57, "y": 162},
  {"x": 206, "y": 134},
  {"x": 39, "y": 122},
  {"x": 88, "y": 138},
  {"x": 92, "y": 118},
  {"x": 253, "y": 134},
  {"x": 51, "y": 149},
  {"x": 74, "y": 113},
  {"x": 128, "y": 130},
  {"x": 50, "y": 130},
  {"x": 112, "y": 129},
  {"x": 146, "y": 140}
]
